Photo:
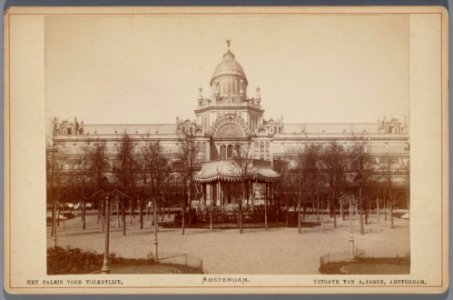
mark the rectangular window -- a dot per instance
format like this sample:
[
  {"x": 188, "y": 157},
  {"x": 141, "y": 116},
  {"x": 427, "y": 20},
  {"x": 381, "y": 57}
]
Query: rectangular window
[
  {"x": 256, "y": 147},
  {"x": 267, "y": 151}
]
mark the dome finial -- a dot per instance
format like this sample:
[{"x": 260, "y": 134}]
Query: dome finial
[{"x": 228, "y": 42}]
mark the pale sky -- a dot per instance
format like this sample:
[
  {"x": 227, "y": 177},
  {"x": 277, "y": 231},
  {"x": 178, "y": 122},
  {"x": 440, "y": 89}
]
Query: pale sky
[{"x": 147, "y": 69}]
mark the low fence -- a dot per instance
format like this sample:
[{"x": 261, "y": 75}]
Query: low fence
[
  {"x": 221, "y": 215},
  {"x": 183, "y": 259},
  {"x": 341, "y": 256}
]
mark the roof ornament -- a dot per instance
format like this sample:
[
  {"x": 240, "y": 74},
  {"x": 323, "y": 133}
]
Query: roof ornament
[{"x": 228, "y": 42}]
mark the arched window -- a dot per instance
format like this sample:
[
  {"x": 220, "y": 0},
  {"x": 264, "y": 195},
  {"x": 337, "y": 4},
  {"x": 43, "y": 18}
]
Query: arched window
[
  {"x": 222, "y": 152},
  {"x": 230, "y": 151},
  {"x": 262, "y": 150},
  {"x": 229, "y": 83}
]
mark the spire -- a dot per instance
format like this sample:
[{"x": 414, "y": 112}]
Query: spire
[{"x": 228, "y": 43}]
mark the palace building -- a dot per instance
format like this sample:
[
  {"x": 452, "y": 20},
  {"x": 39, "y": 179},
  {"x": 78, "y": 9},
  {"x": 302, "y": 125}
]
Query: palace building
[{"x": 229, "y": 125}]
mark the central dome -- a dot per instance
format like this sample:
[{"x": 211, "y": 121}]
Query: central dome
[{"x": 228, "y": 66}]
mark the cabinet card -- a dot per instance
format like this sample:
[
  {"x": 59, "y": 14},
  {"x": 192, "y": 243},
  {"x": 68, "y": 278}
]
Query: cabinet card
[{"x": 226, "y": 150}]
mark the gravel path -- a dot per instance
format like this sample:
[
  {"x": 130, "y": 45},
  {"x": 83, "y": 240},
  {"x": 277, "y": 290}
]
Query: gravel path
[{"x": 256, "y": 251}]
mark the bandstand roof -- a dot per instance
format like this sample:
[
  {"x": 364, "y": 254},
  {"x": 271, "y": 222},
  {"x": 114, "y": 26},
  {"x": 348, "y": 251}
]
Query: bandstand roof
[{"x": 230, "y": 170}]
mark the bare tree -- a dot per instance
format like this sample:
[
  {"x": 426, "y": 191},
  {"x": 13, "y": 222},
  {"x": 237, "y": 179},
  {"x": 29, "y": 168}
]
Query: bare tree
[
  {"x": 188, "y": 157},
  {"x": 125, "y": 173},
  {"x": 98, "y": 164},
  {"x": 362, "y": 168},
  {"x": 334, "y": 164},
  {"x": 156, "y": 169},
  {"x": 302, "y": 178},
  {"x": 310, "y": 178},
  {"x": 243, "y": 159},
  {"x": 283, "y": 186},
  {"x": 387, "y": 168},
  {"x": 81, "y": 179},
  {"x": 55, "y": 183}
]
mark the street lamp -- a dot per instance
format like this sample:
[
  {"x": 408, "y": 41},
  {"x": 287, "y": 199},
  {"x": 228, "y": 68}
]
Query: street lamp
[
  {"x": 155, "y": 228},
  {"x": 105, "y": 190},
  {"x": 106, "y": 264},
  {"x": 54, "y": 224}
]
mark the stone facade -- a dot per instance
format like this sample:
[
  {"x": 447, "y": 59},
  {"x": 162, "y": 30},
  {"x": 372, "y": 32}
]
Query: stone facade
[{"x": 229, "y": 118}]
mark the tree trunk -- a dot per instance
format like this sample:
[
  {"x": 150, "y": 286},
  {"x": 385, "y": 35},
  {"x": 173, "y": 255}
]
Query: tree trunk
[
  {"x": 55, "y": 224},
  {"x": 99, "y": 210},
  {"x": 312, "y": 207},
  {"x": 102, "y": 215},
  {"x": 123, "y": 216},
  {"x": 304, "y": 207},
  {"x": 334, "y": 211},
  {"x": 140, "y": 212},
  {"x": 156, "y": 214},
  {"x": 188, "y": 204},
  {"x": 299, "y": 225},
  {"x": 210, "y": 214},
  {"x": 130, "y": 212},
  {"x": 156, "y": 228},
  {"x": 240, "y": 207},
  {"x": 58, "y": 213},
  {"x": 240, "y": 218},
  {"x": 117, "y": 213},
  {"x": 158, "y": 207},
  {"x": 341, "y": 211},
  {"x": 54, "y": 220},
  {"x": 408, "y": 202},
  {"x": 183, "y": 217},
  {"x": 318, "y": 218},
  {"x": 378, "y": 214},
  {"x": 362, "y": 229},
  {"x": 350, "y": 215},
  {"x": 266, "y": 195},
  {"x": 366, "y": 211},
  {"x": 83, "y": 215},
  {"x": 392, "y": 224},
  {"x": 287, "y": 210}
]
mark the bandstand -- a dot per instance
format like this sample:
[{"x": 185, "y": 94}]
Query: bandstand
[{"x": 222, "y": 183}]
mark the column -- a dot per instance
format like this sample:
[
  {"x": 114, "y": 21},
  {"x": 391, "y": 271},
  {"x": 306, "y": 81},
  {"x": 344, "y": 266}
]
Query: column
[
  {"x": 204, "y": 194},
  {"x": 218, "y": 193}
]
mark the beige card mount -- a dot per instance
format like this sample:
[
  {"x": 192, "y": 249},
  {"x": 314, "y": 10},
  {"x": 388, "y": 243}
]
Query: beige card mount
[{"x": 226, "y": 150}]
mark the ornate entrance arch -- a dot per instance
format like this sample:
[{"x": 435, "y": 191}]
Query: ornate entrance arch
[{"x": 230, "y": 127}]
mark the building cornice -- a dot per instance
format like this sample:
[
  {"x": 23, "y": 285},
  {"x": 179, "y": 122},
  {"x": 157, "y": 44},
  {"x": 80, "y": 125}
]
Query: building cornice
[{"x": 231, "y": 106}]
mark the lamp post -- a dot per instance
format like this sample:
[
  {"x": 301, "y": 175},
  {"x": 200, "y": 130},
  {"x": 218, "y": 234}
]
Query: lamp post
[
  {"x": 106, "y": 264},
  {"x": 54, "y": 223},
  {"x": 155, "y": 228}
]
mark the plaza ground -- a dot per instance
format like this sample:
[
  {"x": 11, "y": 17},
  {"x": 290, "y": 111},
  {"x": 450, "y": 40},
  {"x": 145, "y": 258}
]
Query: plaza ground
[{"x": 278, "y": 250}]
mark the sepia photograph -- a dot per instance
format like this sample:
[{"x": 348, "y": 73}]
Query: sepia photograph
[
  {"x": 227, "y": 147},
  {"x": 222, "y": 145}
]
